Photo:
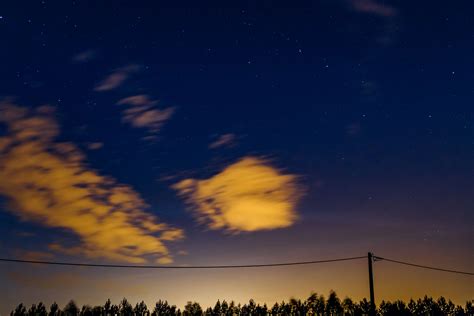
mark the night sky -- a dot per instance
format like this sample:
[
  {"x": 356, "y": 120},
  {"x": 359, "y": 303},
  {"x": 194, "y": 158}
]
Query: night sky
[{"x": 152, "y": 132}]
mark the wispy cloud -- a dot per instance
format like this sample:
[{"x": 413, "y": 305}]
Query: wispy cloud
[
  {"x": 249, "y": 195},
  {"x": 116, "y": 78},
  {"x": 143, "y": 113},
  {"x": 84, "y": 56},
  {"x": 376, "y": 7},
  {"x": 223, "y": 140},
  {"x": 95, "y": 145},
  {"x": 48, "y": 182}
]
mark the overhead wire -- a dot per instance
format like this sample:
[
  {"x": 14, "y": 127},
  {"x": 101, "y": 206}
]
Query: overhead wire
[
  {"x": 423, "y": 266},
  {"x": 239, "y": 266},
  {"x": 280, "y": 264}
]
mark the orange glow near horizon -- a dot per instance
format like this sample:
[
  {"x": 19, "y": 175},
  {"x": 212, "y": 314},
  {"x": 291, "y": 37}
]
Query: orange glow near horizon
[{"x": 270, "y": 285}]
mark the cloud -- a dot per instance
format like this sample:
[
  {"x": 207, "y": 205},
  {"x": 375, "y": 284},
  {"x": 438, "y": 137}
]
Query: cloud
[
  {"x": 144, "y": 114},
  {"x": 48, "y": 182},
  {"x": 84, "y": 56},
  {"x": 138, "y": 100},
  {"x": 95, "y": 145},
  {"x": 149, "y": 118},
  {"x": 115, "y": 79},
  {"x": 223, "y": 140},
  {"x": 249, "y": 195},
  {"x": 373, "y": 7}
]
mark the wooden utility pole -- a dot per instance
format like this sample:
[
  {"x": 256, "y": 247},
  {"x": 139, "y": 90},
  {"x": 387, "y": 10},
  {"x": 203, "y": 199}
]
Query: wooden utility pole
[{"x": 370, "y": 257}]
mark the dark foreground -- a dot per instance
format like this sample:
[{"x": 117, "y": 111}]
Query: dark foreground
[{"x": 313, "y": 305}]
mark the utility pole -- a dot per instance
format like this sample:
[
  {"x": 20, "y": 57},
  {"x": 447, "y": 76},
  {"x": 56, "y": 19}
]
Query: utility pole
[{"x": 370, "y": 257}]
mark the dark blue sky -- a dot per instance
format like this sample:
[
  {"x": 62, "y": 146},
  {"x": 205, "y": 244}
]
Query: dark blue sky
[{"x": 368, "y": 104}]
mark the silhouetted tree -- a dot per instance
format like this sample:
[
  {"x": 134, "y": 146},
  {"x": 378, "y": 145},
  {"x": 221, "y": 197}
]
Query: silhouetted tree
[
  {"x": 320, "y": 305},
  {"x": 107, "y": 308},
  {"x": 54, "y": 310},
  {"x": 392, "y": 309},
  {"x": 233, "y": 309},
  {"x": 192, "y": 309},
  {"x": 262, "y": 310},
  {"x": 311, "y": 303},
  {"x": 364, "y": 307},
  {"x": 20, "y": 310},
  {"x": 141, "y": 309},
  {"x": 86, "y": 310},
  {"x": 37, "y": 310},
  {"x": 446, "y": 307},
  {"x": 71, "y": 309},
  {"x": 98, "y": 311},
  {"x": 314, "y": 305},
  {"x": 275, "y": 310},
  {"x": 224, "y": 308},
  {"x": 114, "y": 310},
  {"x": 297, "y": 307},
  {"x": 431, "y": 307},
  {"x": 348, "y": 307},
  {"x": 41, "y": 310},
  {"x": 32, "y": 310},
  {"x": 333, "y": 305},
  {"x": 469, "y": 308},
  {"x": 126, "y": 308},
  {"x": 217, "y": 310},
  {"x": 163, "y": 308}
]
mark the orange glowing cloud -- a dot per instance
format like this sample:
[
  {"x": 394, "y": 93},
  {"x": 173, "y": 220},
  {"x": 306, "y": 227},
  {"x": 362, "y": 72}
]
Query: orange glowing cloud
[
  {"x": 49, "y": 182},
  {"x": 249, "y": 195}
]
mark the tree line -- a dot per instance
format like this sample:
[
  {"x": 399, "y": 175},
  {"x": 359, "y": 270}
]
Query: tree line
[{"x": 315, "y": 304}]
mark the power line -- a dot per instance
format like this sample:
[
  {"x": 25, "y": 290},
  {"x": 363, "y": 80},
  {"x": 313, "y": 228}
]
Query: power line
[
  {"x": 424, "y": 267},
  {"x": 281, "y": 264}
]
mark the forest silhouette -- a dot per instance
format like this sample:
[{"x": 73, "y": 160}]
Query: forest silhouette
[{"x": 314, "y": 305}]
